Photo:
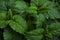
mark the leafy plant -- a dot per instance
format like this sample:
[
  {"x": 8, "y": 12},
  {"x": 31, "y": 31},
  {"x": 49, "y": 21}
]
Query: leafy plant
[{"x": 29, "y": 21}]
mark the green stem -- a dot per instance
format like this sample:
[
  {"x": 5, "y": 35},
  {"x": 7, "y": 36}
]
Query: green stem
[{"x": 10, "y": 14}]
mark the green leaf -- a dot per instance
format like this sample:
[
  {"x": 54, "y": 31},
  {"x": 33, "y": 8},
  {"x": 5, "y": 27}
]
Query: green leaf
[
  {"x": 32, "y": 10},
  {"x": 20, "y": 6},
  {"x": 2, "y": 6},
  {"x": 46, "y": 15},
  {"x": 54, "y": 28},
  {"x": 53, "y": 13},
  {"x": 34, "y": 34},
  {"x": 3, "y": 24},
  {"x": 53, "y": 38},
  {"x": 10, "y": 3},
  {"x": 19, "y": 19},
  {"x": 18, "y": 24},
  {"x": 9, "y": 34},
  {"x": 49, "y": 35},
  {"x": 38, "y": 2},
  {"x": 2, "y": 16},
  {"x": 39, "y": 20}
]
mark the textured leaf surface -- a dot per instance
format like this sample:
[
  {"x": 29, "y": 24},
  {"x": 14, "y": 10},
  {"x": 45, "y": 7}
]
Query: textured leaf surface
[
  {"x": 9, "y": 34},
  {"x": 2, "y": 6},
  {"x": 32, "y": 10},
  {"x": 39, "y": 20},
  {"x": 2, "y": 16},
  {"x": 20, "y": 6},
  {"x": 19, "y": 24},
  {"x": 53, "y": 13},
  {"x": 3, "y": 24},
  {"x": 35, "y": 34},
  {"x": 54, "y": 28},
  {"x": 38, "y": 2}
]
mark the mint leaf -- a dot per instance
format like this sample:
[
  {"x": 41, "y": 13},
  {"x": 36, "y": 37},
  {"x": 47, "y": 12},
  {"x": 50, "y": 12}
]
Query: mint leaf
[
  {"x": 39, "y": 20},
  {"x": 54, "y": 28},
  {"x": 2, "y": 16},
  {"x": 34, "y": 34},
  {"x": 20, "y": 6},
  {"x": 3, "y": 24},
  {"x": 9, "y": 34},
  {"x": 18, "y": 24}
]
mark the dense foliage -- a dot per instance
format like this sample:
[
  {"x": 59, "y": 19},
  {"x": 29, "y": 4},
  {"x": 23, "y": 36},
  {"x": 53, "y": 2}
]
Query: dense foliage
[{"x": 30, "y": 19}]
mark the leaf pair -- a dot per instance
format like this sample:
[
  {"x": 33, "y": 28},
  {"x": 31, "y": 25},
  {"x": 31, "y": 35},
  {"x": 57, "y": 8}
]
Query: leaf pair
[{"x": 17, "y": 22}]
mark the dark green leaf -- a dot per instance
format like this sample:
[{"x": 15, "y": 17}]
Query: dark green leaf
[
  {"x": 20, "y": 6},
  {"x": 34, "y": 34},
  {"x": 9, "y": 34},
  {"x": 2, "y": 6},
  {"x": 3, "y": 24},
  {"x": 39, "y": 20},
  {"x": 54, "y": 28}
]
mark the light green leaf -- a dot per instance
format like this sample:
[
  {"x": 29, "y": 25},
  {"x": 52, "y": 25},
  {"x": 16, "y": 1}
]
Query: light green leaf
[
  {"x": 32, "y": 10},
  {"x": 18, "y": 24},
  {"x": 19, "y": 19},
  {"x": 3, "y": 22},
  {"x": 2, "y": 16}
]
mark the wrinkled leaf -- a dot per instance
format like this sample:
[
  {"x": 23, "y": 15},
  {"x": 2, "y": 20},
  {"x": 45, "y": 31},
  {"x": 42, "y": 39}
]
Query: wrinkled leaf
[
  {"x": 39, "y": 20},
  {"x": 2, "y": 16},
  {"x": 35, "y": 34},
  {"x": 9, "y": 34},
  {"x": 3, "y": 24},
  {"x": 18, "y": 24},
  {"x": 20, "y": 6},
  {"x": 32, "y": 10},
  {"x": 54, "y": 28}
]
